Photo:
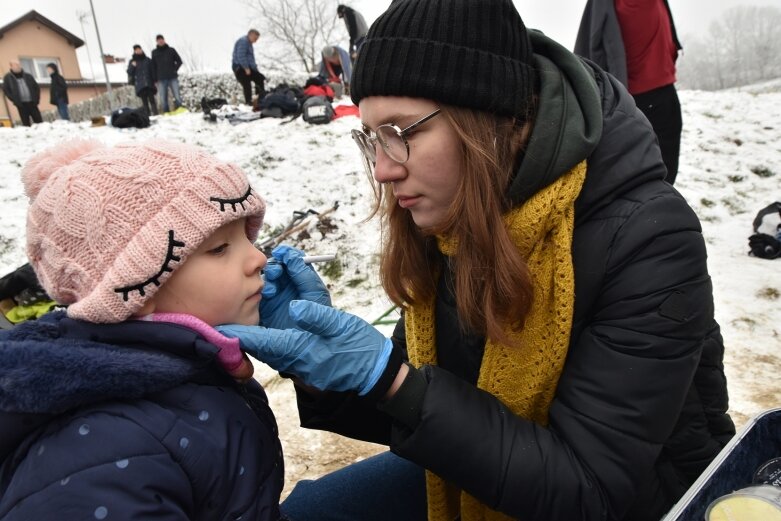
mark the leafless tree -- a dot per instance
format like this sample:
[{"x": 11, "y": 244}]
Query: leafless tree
[
  {"x": 298, "y": 29},
  {"x": 743, "y": 46},
  {"x": 191, "y": 56}
]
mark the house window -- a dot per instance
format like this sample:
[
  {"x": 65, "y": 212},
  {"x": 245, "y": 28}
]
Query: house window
[{"x": 37, "y": 66}]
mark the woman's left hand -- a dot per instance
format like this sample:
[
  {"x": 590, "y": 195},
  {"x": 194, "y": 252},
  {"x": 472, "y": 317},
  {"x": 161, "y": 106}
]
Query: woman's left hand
[{"x": 287, "y": 278}]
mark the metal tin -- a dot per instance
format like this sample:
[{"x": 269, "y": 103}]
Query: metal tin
[{"x": 755, "y": 503}]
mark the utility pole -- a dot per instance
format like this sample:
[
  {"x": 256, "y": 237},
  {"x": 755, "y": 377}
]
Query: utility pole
[
  {"x": 81, "y": 16},
  {"x": 102, "y": 57}
]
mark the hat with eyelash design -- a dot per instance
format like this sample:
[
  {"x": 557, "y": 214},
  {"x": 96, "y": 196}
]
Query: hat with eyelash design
[{"x": 108, "y": 225}]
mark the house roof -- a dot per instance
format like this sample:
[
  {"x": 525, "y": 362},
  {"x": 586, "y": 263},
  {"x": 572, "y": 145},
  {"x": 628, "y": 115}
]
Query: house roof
[{"x": 34, "y": 15}]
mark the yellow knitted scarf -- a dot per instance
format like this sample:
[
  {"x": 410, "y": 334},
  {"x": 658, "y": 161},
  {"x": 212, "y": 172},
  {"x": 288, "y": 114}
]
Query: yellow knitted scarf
[{"x": 524, "y": 375}]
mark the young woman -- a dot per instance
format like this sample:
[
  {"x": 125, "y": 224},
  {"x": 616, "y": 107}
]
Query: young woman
[{"x": 557, "y": 357}]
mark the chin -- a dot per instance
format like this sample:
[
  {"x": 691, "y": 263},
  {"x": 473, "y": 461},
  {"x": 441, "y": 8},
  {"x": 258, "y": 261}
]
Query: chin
[{"x": 252, "y": 320}]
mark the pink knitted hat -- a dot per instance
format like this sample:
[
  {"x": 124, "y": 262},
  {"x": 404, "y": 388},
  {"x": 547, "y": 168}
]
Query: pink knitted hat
[{"x": 107, "y": 226}]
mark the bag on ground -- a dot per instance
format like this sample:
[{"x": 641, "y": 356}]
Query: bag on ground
[
  {"x": 765, "y": 242},
  {"x": 317, "y": 110}
]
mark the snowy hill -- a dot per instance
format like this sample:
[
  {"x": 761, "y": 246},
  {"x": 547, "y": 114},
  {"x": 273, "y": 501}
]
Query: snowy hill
[{"x": 730, "y": 168}]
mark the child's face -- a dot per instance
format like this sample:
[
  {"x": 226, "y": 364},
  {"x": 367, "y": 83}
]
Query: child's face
[{"x": 220, "y": 282}]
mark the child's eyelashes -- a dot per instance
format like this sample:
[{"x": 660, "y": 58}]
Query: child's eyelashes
[{"x": 219, "y": 250}]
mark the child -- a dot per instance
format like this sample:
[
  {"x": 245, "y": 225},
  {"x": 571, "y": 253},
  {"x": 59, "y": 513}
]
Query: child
[{"x": 131, "y": 405}]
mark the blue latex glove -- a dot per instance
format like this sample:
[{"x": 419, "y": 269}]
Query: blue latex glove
[
  {"x": 331, "y": 350},
  {"x": 288, "y": 278}
]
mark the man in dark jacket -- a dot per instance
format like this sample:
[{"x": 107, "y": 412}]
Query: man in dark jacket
[
  {"x": 24, "y": 92},
  {"x": 166, "y": 63},
  {"x": 58, "y": 91},
  {"x": 141, "y": 75},
  {"x": 245, "y": 68},
  {"x": 356, "y": 27},
  {"x": 637, "y": 43}
]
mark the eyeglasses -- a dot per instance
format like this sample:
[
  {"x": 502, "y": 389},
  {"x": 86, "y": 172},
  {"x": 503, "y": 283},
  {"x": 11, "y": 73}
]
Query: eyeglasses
[{"x": 392, "y": 139}]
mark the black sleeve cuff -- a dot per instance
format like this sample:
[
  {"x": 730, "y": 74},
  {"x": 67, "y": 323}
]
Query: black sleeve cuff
[
  {"x": 406, "y": 404},
  {"x": 388, "y": 376}
]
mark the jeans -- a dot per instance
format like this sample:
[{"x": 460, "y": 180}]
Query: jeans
[
  {"x": 163, "y": 87},
  {"x": 663, "y": 110},
  {"x": 62, "y": 109},
  {"x": 384, "y": 487}
]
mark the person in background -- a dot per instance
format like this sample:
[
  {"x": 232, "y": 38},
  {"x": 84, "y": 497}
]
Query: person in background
[
  {"x": 58, "y": 93},
  {"x": 356, "y": 27},
  {"x": 636, "y": 41},
  {"x": 557, "y": 356},
  {"x": 245, "y": 68},
  {"x": 24, "y": 92},
  {"x": 141, "y": 75},
  {"x": 129, "y": 404},
  {"x": 336, "y": 68},
  {"x": 166, "y": 63}
]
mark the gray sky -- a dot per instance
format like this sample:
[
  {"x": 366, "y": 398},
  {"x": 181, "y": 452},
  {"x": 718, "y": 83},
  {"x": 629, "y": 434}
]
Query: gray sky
[{"x": 208, "y": 28}]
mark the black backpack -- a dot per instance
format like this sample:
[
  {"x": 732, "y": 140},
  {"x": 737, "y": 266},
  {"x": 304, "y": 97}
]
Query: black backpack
[
  {"x": 317, "y": 110},
  {"x": 127, "y": 117},
  {"x": 209, "y": 104},
  {"x": 282, "y": 100},
  {"x": 762, "y": 244}
]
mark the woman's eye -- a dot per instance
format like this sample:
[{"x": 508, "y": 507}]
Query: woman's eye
[{"x": 219, "y": 250}]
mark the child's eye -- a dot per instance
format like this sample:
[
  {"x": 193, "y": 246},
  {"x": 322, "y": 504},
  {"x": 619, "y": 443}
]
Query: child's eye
[{"x": 219, "y": 250}]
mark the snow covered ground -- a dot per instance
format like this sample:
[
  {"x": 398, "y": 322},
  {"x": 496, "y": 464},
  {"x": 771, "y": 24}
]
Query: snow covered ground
[{"x": 730, "y": 168}]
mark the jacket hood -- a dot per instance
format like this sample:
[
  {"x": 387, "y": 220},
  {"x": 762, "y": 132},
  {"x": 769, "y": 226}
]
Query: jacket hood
[
  {"x": 55, "y": 364},
  {"x": 584, "y": 113},
  {"x": 568, "y": 122}
]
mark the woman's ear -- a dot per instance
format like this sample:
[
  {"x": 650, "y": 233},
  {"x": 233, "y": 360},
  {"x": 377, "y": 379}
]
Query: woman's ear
[{"x": 147, "y": 309}]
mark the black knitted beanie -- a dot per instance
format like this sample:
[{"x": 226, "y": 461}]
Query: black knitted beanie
[{"x": 466, "y": 53}]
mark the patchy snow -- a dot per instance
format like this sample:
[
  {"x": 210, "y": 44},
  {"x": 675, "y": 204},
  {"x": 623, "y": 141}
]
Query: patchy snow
[{"x": 298, "y": 167}]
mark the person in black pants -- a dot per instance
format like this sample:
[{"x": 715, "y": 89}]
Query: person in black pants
[
  {"x": 58, "y": 92},
  {"x": 24, "y": 92},
  {"x": 356, "y": 27},
  {"x": 637, "y": 43},
  {"x": 245, "y": 68},
  {"x": 141, "y": 74}
]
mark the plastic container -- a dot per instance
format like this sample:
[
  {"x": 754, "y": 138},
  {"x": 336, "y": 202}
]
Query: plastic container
[
  {"x": 734, "y": 468},
  {"x": 756, "y": 503}
]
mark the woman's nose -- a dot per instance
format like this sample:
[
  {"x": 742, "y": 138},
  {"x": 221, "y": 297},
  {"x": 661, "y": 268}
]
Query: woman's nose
[{"x": 386, "y": 170}]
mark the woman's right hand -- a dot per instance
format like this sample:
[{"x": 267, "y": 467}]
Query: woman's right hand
[
  {"x": 287, "y": 278},
  {"x": 325, "y": 348}
]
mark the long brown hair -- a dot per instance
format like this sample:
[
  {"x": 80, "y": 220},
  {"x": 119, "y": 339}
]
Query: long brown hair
[{"x": 492, "y": 282}]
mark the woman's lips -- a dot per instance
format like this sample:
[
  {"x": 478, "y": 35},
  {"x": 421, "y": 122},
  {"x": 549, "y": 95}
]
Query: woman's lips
[{"x": 408, "y": 201}]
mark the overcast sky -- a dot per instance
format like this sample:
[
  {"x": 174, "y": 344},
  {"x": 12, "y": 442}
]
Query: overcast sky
[{"x": 209, "y": 28}]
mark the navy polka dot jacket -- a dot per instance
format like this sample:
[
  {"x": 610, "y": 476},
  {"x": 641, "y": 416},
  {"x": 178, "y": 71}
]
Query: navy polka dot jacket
[{"x": 130, "y": 421}]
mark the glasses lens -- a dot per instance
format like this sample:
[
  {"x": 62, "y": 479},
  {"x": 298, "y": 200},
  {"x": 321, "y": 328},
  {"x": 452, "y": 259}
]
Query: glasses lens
[
  {"x": 365, "y": 145},
  {"x": 393, "y": 144}
]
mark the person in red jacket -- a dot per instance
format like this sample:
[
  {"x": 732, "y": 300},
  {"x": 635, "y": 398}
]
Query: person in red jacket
[{"x": 635, "y": 40}]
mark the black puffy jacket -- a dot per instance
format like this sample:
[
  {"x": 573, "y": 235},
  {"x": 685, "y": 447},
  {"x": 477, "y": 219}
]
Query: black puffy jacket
[
  {"x": 59, "y": 89},
  {"x": 640, "y": 409},
  {"x": 166, "y": 63}
]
